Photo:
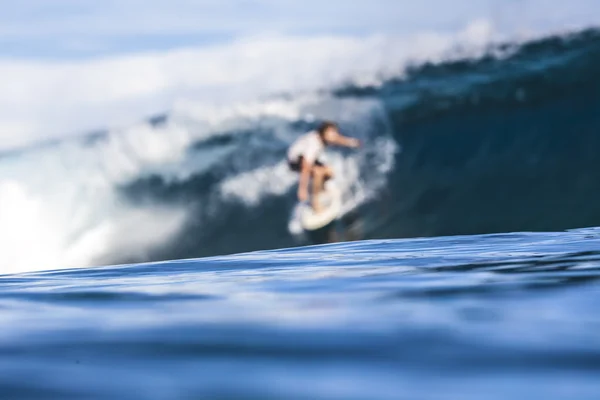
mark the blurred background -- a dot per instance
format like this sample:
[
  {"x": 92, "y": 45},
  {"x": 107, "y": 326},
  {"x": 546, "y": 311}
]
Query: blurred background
[{"x": 144, "y": 130}]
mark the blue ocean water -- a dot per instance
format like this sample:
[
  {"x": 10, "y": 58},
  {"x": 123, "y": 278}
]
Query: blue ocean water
[
  {"x": 465, "y": 317},
  {"x": 425, "y": 297}
]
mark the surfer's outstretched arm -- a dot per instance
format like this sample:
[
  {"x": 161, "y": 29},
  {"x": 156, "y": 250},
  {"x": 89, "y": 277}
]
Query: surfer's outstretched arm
[{"x": 346, "y": 141}]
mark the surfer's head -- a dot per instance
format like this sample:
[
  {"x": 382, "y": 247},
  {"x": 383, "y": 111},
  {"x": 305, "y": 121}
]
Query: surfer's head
[{"x": 328, "y": 131}]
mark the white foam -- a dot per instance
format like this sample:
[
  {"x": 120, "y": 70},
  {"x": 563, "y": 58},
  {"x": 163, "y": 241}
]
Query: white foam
[
  {"x": 40, "y": 231},
  {"x": 60, "y": 208},
  {"x": 49, "y": 99},
  {"x": 253, "y": 186}
]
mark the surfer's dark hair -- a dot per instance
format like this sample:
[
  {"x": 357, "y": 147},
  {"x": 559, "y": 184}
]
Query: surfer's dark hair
[{"x": 326, "y": 125}]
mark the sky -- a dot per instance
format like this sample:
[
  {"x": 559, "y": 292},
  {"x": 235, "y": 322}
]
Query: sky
[
  {"x": 71, "y": 66},
  {"x": 76, "y": 28},
  {"x": 60, "y": 29}
]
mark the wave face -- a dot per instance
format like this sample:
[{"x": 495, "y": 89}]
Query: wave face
[
  {"x": 500, "y": 143},
  {"x": 503, "y": 144}
]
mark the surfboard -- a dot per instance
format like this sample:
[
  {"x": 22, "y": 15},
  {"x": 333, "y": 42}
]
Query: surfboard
[{"x": 331, "y": 200}]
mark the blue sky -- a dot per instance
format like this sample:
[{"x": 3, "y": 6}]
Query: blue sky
[
  {"x": 87, "y": 28},
  {"x": 84, "y": 28}
]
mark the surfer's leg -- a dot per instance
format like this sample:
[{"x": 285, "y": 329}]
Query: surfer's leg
[
  {"x": 327, "y": 175},
  {"x": 318, "y": 177},
  {"x": 320, "y": 174}
]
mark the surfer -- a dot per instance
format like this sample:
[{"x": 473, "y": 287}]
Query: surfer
[{"x": 304, "y": 157}]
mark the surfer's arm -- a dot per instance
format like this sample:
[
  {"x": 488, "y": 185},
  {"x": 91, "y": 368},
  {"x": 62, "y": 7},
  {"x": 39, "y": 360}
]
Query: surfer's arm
[
  {"x": 304, "y": 179},
  {"x": 346, "y": 141}
]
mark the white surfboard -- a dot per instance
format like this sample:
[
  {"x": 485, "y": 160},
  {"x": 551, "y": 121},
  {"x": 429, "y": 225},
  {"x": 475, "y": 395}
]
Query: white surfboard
[{"x": 331, "y": 201}]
